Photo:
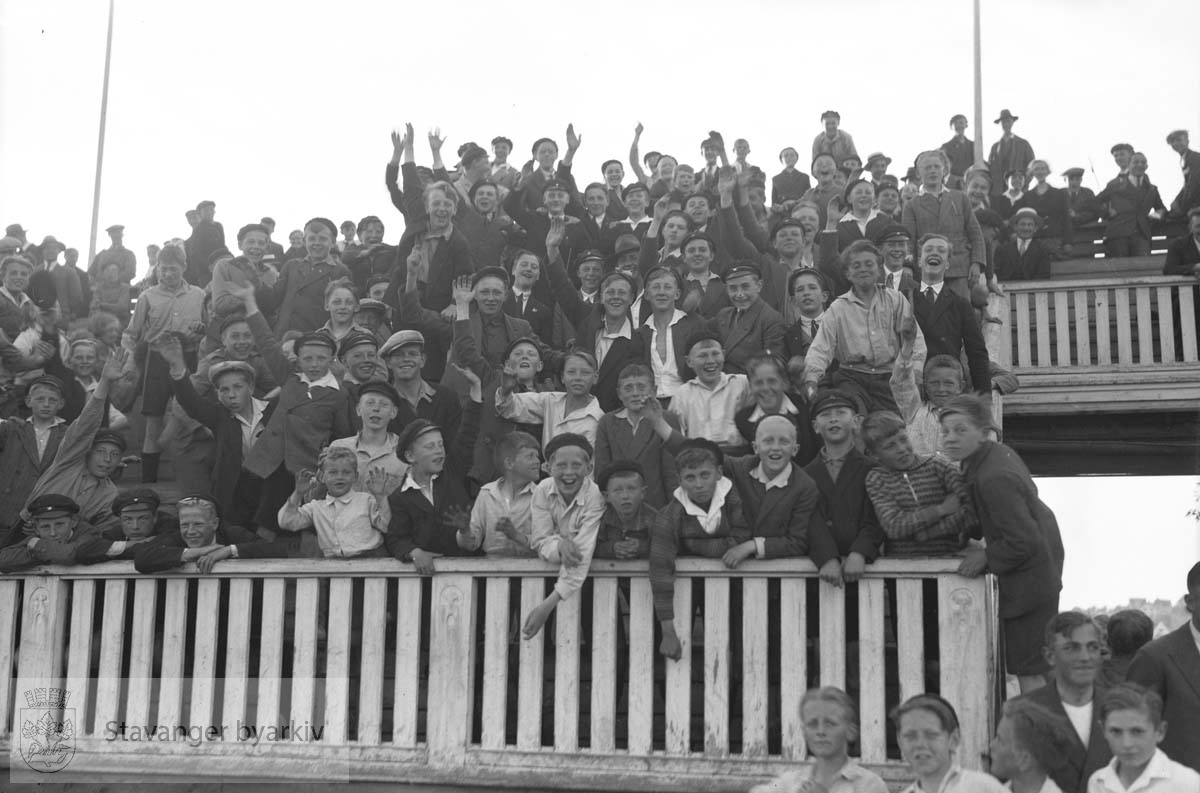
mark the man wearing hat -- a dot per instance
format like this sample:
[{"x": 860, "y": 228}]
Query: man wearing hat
[
  {"x": 1010, "y": 153},
  {"x": 88, "y": 455},
  {"x": 555, "y": 201},
  {"x": 358, "y": 352},
  {"x": 877, "y": 165},
  {"x": 300, "y": 290},
  {"x": 635, "y": 197},
  {"x": 1023, "y": 258},
  {"x": 960, "y": 151},
  {"x": 205, "y": 538},
  {"x": 141, "y": 521},
  {"x": 897, "y": 272},
  {"x": 503, "y": 174},
  {"x": 207, "y": 238},
  {"x": 404, "y": 354},
  {"x": 117, "y": 253},
  {"x": 53, "y": 534},
  {"x": 27, "y": 446},
  {"x": 1130, "y": 200},
  {"x": 833, "y": 141},
  {"x": 1081, "y": 202},
  {"x": 748, "y": 326},
  {"x": 1189, "y": 162},
  {"x": 1122, "y": 153}
]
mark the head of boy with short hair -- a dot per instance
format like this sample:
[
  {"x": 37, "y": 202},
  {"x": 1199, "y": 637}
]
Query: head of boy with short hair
[
  {"x": 1133, "y": 726},
  {"x": 526, "y": 269},
  {"x": 768, "y": 379},
  {"x": 105, "y": 455},
  {"x": 138, "y": 511},
  {"x": 635, "y": 387},
  {"x": 1127, "y": 632},
  {"x": 885, "y": 436},
  {"x": 525, "y": 357},
  {"x": 809, "y": 291},
  {"x": 170, "y": 267},
  {"x": 927, "y": 730},
  {"x": 54, "y": 517},
  {"x": 84, "y": 358},
  {"x": 110, "y": 274},
  {"x": 579, "y": 374},
  {"x": 706, "y": 357},
  {"x": 422, "y": 446},
  {"x": 624, "y": 486},
  {"x": 699, "y": 464},
  {"x": 569, "y": 463},
  {"x": 341, "y": 301},
  {"x": 935, "y": 250},
  {"x": 45, "y": 399},
  {"x": 518, "y": 457},
  {"x": 337, "y": 469},
  {"x": 319, "y": 238},
  {"x": 1074, "y": 649},
  {"x": 1030, "y": 742},
  {"x": 860, "y": 264},
  {"x": 944, "y": 379},
  {"x": 775, "y": 444},
  {"x": 377, "y": 286},
  {"x": 830, "y": 721}
]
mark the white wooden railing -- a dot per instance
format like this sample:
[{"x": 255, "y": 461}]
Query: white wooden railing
[
  {"x": 1102, "y": 345},
  {"x": 424, "y": 679}
]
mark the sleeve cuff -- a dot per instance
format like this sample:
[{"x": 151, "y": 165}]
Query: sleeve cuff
[
  {"x": 760, "y": 548},
  {"x": 233, "y": 552}
]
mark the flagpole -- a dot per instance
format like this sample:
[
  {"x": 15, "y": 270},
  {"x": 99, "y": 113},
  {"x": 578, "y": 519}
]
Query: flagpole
[
  {"x": 978, "y": 88},
  {"x": 100, "y": 142}
]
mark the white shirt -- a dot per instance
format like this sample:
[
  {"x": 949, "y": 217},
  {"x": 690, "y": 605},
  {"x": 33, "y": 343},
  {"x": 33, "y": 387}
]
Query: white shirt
[
  {"x": 42, "y": 435},
  {"x": 1081, "y": 719},
  {"x": 960, "y": 780},
  {"x": 786, "y": 408},
  {"x": 251, "y": 427},
  {"x": 853, "y": 778},
  {"x": 1022, "y": 246},
  {"x": 549, "y": 408},
  {"x": 553, "y": 519},
  {"x": 709, "y": 519},
  {"x": 862, "y": 224},
  {"x": 1162, "y": 775},
  {"x": 589, "y": 297},
  {"x": 328, "y": 381},
  {"x": 708, "y": 413},
  {"x": 666, "y": 370},
  {"x": 605, "y": 338}
]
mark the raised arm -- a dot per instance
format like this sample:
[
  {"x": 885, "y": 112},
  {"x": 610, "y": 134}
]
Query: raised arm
[{"x": 635, "y": 157}]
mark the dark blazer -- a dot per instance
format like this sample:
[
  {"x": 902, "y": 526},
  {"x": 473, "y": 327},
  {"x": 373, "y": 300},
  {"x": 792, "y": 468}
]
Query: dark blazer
[
  {"x": 681, "y": 335},
  {"x": 588, "y": 320},
  {"x": 302, "y": 423},
  {"x": 789, "y": 186},
  {"x": 1024, "y": 547},
  {"x": 418, "y": 524},
  {"x": 760, "y": 330},
  {"x": 1081, "y": 206},
  {"x": 1182, "y": 256},
  {"x": 617, "y": 440},
  {"x": 845, "y": 521},
  {"x": 1189, "y": 194},
  {"x": 537, "y": 314},
  {"x": 1129, "y": 207},
  {"x": 300, "y": 294},
  {"x": 951, "y": 215},
  {"x": 21, "y": 465},
  {"x": 949, "y": 325},
  {"x": 1082, "y": 761},
  {"x": 1170, "y": 666},
  {"x": 451, "y": 259},
  {"x": 848, "y": 233},
  {"x": 1004, "y": 156},
  {"x": 781, "y": 515},
  {"x": 1054, "y": 208},
  {"x": 1012, "y": 266},
  {"x": 165, "y": 551},
  {"x": 227, "y": 466}
]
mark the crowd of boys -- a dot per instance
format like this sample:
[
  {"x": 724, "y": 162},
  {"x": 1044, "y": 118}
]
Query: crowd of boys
[{"x": 647, "y": 370}]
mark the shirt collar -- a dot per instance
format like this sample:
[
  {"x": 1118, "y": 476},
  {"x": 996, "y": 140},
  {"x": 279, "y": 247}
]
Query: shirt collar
[
  {"x": 678, "y": 315},
  {"x": 937, "y": 288},
  {"x": 343, "y": 499},
  {"x": 781, "y": 479},
  {"x": 183, "y": 287},
  {"x": 257, "y": 408},
  {"x": 60, "y": 420},
  {"x": 328, "y": 381},
  {"x": 440, "y": 235},
  {"x": 24, "y": 297},
  {"x": 938, "y": 194},
  {"x": 411, "y": 484},
  {"x": 786, "y": 408},
  {"x": 624, "y": 332},
  {"x": 710, "y": 519},
  {"x": 499, "y": 487}
]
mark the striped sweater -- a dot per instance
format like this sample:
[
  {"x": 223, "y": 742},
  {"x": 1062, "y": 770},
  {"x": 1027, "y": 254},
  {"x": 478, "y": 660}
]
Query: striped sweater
[{"x": 906, "y": 502}]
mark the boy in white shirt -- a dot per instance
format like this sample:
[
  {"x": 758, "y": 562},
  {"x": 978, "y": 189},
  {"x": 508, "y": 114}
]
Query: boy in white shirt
[
  {"x": 574, "y": 410},
  {"x": 1133, "y": 726},
  {"x": 501, "y": 518},
  {"x": 707, "y": 405},
  {"x": 348, "y": 522}
]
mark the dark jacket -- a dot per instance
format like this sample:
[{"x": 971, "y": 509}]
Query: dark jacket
[
  {"x": 165, "y": 552},
  {"x": 1182, "y": 257},
  {"x": 1129, "y": 207},
  {"x": 949, "y": 325},
  {"x": 781, "y": 515},
  {"x": 1024, "y": 547},
  {"x": 300, "y": 294},
  {"x": 1010, "y": 265},
  {"x": 1170, "y": 666},
  {"x": 21, "y": 465},
  {"x": 845, "y": 521},
  {"x": 1081, "y": 761},
  {"x": 451, "y": 258},
  {"x": 760, "y": 330},
  {"x": 418, "y": 524}
]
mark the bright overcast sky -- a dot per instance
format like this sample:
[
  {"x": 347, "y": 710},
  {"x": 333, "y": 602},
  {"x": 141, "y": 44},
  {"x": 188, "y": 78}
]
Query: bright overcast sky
[{"x": 284, "y": 108}]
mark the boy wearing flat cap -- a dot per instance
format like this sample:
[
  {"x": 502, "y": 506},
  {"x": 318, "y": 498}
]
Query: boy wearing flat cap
[
  {"x": 88, "y": 455},
  {"x": 28, "y": 446},
  {"x": 54, "y": 535},
  {"x": 140, "y": 522},
  {"x": 749, "y": 326}
]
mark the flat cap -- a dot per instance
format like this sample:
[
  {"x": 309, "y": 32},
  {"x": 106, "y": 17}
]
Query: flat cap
[
  {"x": 1121, "y": 147},
  {"x": 878, "y": 156},
  {"x": 316, "y": 339},
  {"x": 555, "y": 184},
  {"x": 116, "y": 228},
  {"x": 138, "y": 497},
  {"x": 354, "y": 339},
  {"x": 109, "y": 436},
  {"x": 743, "y": 268},
  {"x": 225, "y": 367},
  {"x": 1073, "y": 172},
  {"x": 49, "y": 503},
  {"x": 492, "y": 271},
  {"x": 47, "y": 381},
  {"x": 401, "y": 338},
  {"x": 893, "y": 231},
  {"x": 379, "y": 387},
  {"x": 832, "y": 398},
  {"x": 371, "y": 304}
]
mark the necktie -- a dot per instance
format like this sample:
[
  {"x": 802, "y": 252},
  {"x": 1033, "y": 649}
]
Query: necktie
[
  {"x": 891, "y": 284},
  {"x": 1022, "y": 246},
  {"x": 929, "y": 294},
  {"x": 815, "y": 327},
  {"x": 521, "y": 304}
]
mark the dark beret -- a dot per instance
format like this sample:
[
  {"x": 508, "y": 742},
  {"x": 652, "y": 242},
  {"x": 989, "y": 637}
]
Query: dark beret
[
  {"x": 698, "y": 235},
  {"x": 46, "y": 381},
  {"x": 411, "y": 432},
  {"x": 230, "y": 319},
  {"x": 707, "y": 445},
  {"x": 787, "y": 223},
  {"x": 512, "y": 345},
  {"x": 832, "y": 398},
  {"x": 703, "y": 334},
  {"x": 379, "y": 387},
  {"x": 355, "y": 338}
]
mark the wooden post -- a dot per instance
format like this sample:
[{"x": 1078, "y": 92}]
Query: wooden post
[
  {"x": 451, "y": 668},
  {"x": 967, "y": 661}
]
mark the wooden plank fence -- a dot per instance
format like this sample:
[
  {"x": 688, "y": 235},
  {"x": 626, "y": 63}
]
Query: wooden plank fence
[{"x": 427, "y": 680}]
